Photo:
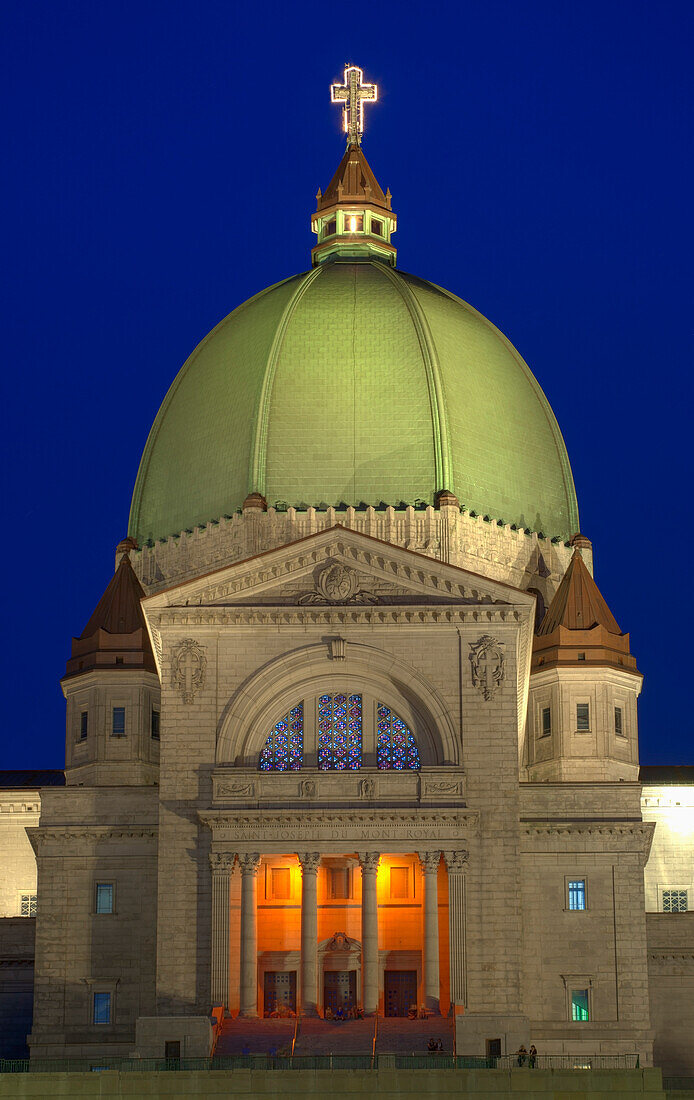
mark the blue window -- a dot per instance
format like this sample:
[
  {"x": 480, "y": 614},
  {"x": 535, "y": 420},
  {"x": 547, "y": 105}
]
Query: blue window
[
  {"x": 284, "y": 749},
  {"x": 104, "y": 897},
  {"x": 397, "y": 748},
  {"x": 339, "y": 732},
  {"x": 577, "y": 893},
  {"x": 101, "y": 1011},
  {"x": 118, "y": 722},
  {"x": 579, "y": 1005}
]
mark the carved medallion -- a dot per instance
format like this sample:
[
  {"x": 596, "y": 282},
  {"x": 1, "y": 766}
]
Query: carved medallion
[
  {"x": 336, "y": 583},
  {"x": 367, "y": 788},
  {"x": 488, "y": 666},
  {"x": 188, "y": 665},
  {"x": 308, "y": 788}
]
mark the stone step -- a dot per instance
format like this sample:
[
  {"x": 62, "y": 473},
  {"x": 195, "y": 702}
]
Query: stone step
[
  {"x": 335, "y": 1037},
  {"x": 398, "y": 1035},
  {"x": 242, "y": 1036}
]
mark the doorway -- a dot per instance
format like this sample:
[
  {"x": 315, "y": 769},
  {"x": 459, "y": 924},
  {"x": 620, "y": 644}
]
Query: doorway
[
  {"x": 339, "y": 990},
  {"x": 279, "y": 987},
  {"x": 400, "y": 991}
]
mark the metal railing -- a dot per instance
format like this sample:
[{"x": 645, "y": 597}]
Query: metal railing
[{"x": 384, "y": 1060}]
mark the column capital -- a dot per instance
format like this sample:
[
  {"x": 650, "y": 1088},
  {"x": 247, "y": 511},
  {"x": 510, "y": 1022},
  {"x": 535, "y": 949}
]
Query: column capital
[
  {"x": 249, "y": 863},
  {"x": 429, "y": 862},
  {"x": 368, "y": 862},
  {"x": 309, "y": 862},
  {"x": 222, "y": 863},
  {"x": 456, "y": 862}
]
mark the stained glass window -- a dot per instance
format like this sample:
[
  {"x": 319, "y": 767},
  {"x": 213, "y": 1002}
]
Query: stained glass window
[
  {"x": 397, "y": 748},
  {"x": 339, "y": 732},
  {"x": 284, "y": 749}
]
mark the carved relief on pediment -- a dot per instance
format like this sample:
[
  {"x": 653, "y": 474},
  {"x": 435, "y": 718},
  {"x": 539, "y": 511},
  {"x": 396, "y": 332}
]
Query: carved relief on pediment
[{"x": 335, "y": 583}]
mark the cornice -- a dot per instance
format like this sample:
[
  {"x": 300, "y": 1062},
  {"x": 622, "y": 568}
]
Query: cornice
[
  {"x": 94, "y": 834},
  {"x": 412, "y": 615}
]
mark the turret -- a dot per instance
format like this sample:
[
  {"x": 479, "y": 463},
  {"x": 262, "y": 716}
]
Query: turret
[
  {"x": 584, "y": 683},
  {"x": 112, "y": 691}
]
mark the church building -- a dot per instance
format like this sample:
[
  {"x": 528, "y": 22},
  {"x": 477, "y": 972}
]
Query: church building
[{"x": 352, "y": 731}]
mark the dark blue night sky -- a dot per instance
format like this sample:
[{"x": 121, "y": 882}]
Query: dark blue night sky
[{"x": 160, "y": 166}]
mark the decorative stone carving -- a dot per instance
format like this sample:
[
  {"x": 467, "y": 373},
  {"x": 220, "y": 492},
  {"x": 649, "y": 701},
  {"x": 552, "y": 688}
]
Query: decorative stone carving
[
  {"x": 249, "y": 863},
  {"x": 336, "y": 583},
  {"x": 488, "y": 664},
  {"x": 368, "y": 861},
  {"x": 441, "y": 788},
  {"x": 337, "y": 648},
  {"x": 429, "y": 862},
  {"x": 222, "y": 862},
  {"x": 367, "y": 788},
  {"x": 308, "y": 788},
  {"x": 456, "y": 862},
  {"x": 188, "y": 666},
  {"x": 236, "y": 790},
  {"x": 309, "y": 862},
  {"x": 340, "y": 941}
]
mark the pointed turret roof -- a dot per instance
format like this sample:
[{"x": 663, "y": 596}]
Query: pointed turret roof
[
  {"x": 354, "y": 181},
  {"x": 116, "y": 635},
  {"x": 578, "y": 604},
  {"x": 578, "y": 628}
]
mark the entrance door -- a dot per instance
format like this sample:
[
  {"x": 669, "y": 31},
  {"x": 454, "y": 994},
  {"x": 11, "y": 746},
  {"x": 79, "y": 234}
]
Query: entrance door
[
  {"x": 280, "y": 992},
  {"x": 339, "y": 990},
  {"x": 400, "y": 991}
]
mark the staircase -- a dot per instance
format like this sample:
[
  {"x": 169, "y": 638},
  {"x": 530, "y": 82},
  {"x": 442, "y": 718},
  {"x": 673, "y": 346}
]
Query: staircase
[
  {"x": 398, "y": 1035},
  {"x": 335, "y": 1037},
  {"x": 242, "y": 1036}
]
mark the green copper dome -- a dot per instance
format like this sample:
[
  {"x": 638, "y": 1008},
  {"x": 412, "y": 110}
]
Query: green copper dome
[{"x": 351, "y": 383}]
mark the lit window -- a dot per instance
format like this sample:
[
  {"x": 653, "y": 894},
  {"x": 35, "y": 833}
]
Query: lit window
[
  {"x": 104, "y": 897},
  {"x": 155, "y": 725},
  {"x": 339, "y": 732},
  {"x": 582, "y": 716},
  {"x": 399, "y": 883},
  {"x": 330, "y": 227},
  {"x": 338, "y": 882},
  {"x": 118, "y": 722},
  {"x": 546, "y": 721},
  {"x": 27, "y": 905},
  {"x": 377, "y": 227},
  {"x": 101, "y": 1010},
  {"x": 84, "y": 725},
  {"x": 618, "y": 722},
  {"x": 579, "y": 1005},
  {"x": 280, "y": 882},
  {"x": 397, "y": 747},
  {"x": 354, "y": 223},
  {"x": 284, "y": 749},
  {"x": 577, "y": 894},
  {"x": 675, "y": 901}
]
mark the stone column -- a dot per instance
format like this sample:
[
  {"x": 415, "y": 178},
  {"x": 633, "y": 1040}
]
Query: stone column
[
  {"x": 222, "y": 864},
  {"x": 369, "y": 931},
  {"x": 309, "y": 932},
  {"x": 456, "y": 862},
  {"x": 429, "y": 862},
  {"x": 249, "y": 862}
]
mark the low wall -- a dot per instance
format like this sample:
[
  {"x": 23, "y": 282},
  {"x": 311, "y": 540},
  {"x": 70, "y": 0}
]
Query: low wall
[{"x": 297, "y": 1084}]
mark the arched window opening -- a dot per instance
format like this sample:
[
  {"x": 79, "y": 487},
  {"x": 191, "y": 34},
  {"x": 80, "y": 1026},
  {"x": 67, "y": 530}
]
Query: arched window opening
[
  {"x": 284, "y": 749},
  {"x": 339, "y": 732},
  {"x": 396, "y": 745}
]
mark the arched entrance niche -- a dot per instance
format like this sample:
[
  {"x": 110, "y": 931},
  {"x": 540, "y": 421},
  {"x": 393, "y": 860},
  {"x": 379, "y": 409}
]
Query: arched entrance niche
[{"x": 306, "y": 673}]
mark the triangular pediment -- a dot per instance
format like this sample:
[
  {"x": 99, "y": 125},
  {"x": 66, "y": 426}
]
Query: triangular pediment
[{"x": 338, "y": 567}]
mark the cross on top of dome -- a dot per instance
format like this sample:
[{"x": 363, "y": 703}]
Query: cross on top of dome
[{"x": 353, "y": 94}]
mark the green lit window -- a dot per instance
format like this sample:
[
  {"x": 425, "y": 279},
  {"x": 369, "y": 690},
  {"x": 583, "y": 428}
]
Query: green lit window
[
  {"x": 618, "y": 722},
  {"x": 579, "y": 1005},
  {"x": 582, "y": 716},
  {"x": 577, "y": 893},
  {"x": 118, "y": 722},
  {"x": 546, "y": 721},
  {"x": 104, "y": 897}
]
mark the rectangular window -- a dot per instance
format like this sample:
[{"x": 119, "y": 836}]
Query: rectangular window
[
  {"x": 338, "y": 882},
  {"x": 546, "y": 721},
  {"x": 577, "y": 893},
  {"x": 84, "y": 725},
  {"x": 155, "y": 725},
  {"x": 376, "y": 227},
  {"x": 330, "y": 227},
  {"x": 118, "y": 722},
  {"x": 280, "y": 883},
  {"x": 579, "y": 1005},
  {"x": 27, "y": 905},
  {"x": 354, "y": 223},
  {"x": 581, "y": 656},
  {"x": 675, "y": 901},
  {"x": 399, "y": 882},
  {"x": 582, "y": 716},
  {"x": 104, "y": 897},
  {"x": 618, "y": 723},
  {"x": 101, "y": 1008}
]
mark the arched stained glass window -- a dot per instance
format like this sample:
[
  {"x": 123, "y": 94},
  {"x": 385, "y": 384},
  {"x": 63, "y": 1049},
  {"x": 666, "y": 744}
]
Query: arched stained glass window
[
  {"x": 396, "y": 745},
  {"x": 284, "y": 749},
  {"x": 339, "y": 732}
]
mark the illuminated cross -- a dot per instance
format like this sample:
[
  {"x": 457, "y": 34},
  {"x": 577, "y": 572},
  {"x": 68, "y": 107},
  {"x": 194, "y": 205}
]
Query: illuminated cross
[{"x": 352, "y": 94}]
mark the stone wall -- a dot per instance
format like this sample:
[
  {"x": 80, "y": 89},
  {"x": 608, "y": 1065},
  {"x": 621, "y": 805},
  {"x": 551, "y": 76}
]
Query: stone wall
[
  {"x": 16, "y": 984},
  {"x": 671, "y": 972},
  {"x": 671, "y": 862},
  {"x": 18, "y": 809}
]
